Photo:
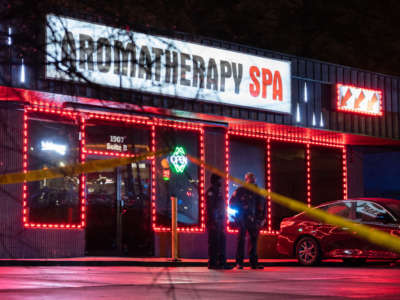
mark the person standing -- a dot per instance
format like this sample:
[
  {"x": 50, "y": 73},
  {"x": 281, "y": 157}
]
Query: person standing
[
  {"x": 250, "y": 217},
  {"x": 216, "y": 225}
]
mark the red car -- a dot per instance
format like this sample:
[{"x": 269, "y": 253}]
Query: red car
[{"x": 311, "y": 241}]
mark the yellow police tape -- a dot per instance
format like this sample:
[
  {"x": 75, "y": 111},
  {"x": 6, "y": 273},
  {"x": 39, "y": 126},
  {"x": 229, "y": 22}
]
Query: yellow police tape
[
  {"x": 76, "y": 169},
  {"x": 373, "y": 235},
  {"x": 368, "y": 233}
]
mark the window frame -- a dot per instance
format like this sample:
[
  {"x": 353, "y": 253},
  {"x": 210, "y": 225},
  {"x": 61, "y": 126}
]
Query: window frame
[{"x": 81, "y": 198}]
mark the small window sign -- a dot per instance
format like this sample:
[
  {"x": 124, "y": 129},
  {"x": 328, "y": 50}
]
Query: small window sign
[
  {"x": 178, "y": 160},
  {"x": 359, "y": 100}
]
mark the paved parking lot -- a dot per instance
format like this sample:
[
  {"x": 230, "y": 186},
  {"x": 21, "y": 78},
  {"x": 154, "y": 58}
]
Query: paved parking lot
[{"x": 274, "y": 282}]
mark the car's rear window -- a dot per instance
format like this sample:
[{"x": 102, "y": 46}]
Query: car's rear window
[{"x": 394, "y": 208}]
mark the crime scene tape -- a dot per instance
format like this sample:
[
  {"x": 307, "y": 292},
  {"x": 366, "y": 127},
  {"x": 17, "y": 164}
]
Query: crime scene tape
[
  {"x": 76, "y": 169},
  {"x": 368, "y": 233}
]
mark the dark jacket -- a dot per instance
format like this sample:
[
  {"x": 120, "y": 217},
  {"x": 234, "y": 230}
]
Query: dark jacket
[
  {"x": 250, "y": 207},
  {"x": 215, "y": 206}
]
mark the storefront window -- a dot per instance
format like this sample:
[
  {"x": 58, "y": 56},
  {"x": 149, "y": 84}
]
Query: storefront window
[
  {"x": 53, "y": 142},
  {"x": 103, "y": 136},
  {"x": 326, "y": 174},
  {"x": 176, "y": 176},
  {"x": 246, "y": 155},
  {"x": 288, "y": 177}
]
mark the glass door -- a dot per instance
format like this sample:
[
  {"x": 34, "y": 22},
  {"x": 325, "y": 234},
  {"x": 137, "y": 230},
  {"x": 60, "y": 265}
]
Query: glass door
[
  {"x": 118, "y": 211},
  {"x": 136, "y": 231},
  {"x": 103, "y": 210}
]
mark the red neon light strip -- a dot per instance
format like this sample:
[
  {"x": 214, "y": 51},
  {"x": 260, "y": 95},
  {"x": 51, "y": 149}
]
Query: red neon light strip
[
  {"x": 83, "y": 176},
  {"x": 108, "y": 153},
  {"x": 25, "y": 219},
  {"x": 228, "y": 228},
  {"x": 202, "y": 183},
  {"x": 308, "y": 172},
  {"x": 292, "y": 138},
  {"x": 153, "y": 182},
  {"x": 25, "y": 170},
  {"x": 344, "y": 159},
  {"x": 119, "y": 118},
  {"x": 269, "y": 205}
]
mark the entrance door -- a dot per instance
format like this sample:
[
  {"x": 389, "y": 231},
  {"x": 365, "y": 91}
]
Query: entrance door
[{"x": 118, "y": 211}]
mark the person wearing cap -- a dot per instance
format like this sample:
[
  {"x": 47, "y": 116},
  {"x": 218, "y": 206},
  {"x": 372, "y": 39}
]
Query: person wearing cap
[
  {"x": 216, "y": 225},
  {"x": 250, "y": 217}
]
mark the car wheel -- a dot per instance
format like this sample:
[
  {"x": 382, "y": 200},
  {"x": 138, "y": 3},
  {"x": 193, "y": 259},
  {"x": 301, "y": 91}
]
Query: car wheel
[
  {"x": 354, "y": 261},
  {"x": 307, "y": 251}
]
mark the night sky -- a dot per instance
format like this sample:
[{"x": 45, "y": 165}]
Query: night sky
[{"x": 358, "y": 33}]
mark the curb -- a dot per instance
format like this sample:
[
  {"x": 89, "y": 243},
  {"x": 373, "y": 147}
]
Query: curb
[{"x": 127, "y": 263}]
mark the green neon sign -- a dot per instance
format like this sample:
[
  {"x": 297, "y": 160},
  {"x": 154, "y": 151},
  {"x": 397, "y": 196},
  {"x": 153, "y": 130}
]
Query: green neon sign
[{"x": 178, "y": 160}]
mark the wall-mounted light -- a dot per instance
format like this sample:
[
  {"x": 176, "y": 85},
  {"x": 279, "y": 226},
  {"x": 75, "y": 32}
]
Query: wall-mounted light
[
  {"x": 9, "y": 39},
  {"x": 22, "y": 72},
  {"x": 298, "y": 113},
  {"x": 305, "y": 93},
  {"x": 321, "y": 121}
]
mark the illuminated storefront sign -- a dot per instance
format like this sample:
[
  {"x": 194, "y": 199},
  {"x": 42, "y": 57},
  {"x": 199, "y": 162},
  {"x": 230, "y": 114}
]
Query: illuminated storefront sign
[
  {"x": 130, "y": 60},
  {"x": 178, "y": 160},
  {"x": 116, "y": 143},
  {"x": 104, "y": 139},
  {"x": 359, "y": 100},
  {"x": 50, "y": 146}
]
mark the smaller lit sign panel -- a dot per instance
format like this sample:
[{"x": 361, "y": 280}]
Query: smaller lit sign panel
[
  {"x": 50, "y": 146},
  {"x": 105, "y": 138},
  {"x": 116, "y": 143},
  {"x": 178, "y": 160},
  {"x": 359, "y": 100}
]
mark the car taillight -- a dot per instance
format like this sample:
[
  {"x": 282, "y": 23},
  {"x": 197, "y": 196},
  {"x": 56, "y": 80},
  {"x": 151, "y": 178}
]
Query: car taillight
[
  {"x": 395, "y": 232},
  {"x": 286, "y": 223}
]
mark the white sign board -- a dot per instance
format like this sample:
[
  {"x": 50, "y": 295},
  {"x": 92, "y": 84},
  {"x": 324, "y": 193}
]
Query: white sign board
[{"x": 83, "y": 51}]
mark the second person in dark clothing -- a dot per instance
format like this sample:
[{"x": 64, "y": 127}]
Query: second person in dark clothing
[
  {"x": 250, "y": 217},
  {"x": 216, "y": 225}
]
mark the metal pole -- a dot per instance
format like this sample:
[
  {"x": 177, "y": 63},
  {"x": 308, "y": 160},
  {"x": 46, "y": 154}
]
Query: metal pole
[{"x": 174, "y": 231}]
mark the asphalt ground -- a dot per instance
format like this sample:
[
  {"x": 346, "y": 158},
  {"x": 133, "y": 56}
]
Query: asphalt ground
[
  {"x": 164, "y": 262},
  {"x": 329, "y": 281}
]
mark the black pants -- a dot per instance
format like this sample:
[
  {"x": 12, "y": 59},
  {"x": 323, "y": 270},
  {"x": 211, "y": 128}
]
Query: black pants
[
  {"x": 216, "y": 245},
  {"x": 253, "y": 234}
]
